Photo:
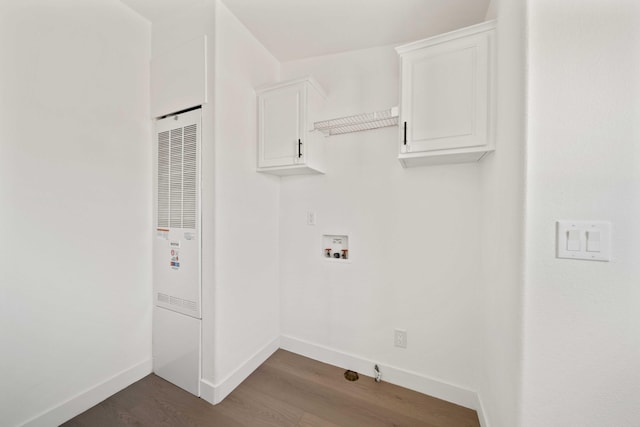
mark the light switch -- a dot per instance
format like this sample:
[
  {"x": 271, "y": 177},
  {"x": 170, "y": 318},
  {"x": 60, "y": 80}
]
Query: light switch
[
  {"x": 588, "y": 240},
  {"x": 593, "y": 240},
  {"x": 573, "y": 240}
]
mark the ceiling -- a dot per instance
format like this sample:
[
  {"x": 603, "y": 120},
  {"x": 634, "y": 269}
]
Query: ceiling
[{"x": 295, "y": 29}]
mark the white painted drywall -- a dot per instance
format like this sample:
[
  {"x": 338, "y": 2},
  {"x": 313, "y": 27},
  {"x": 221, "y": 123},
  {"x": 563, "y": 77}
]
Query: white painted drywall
[
  {"x": 503, "y": 227},
  {"x": 247, "y": 314},
  {"x": 293, "y": 30},
  {"x": 414, "y": 238},
  {"x": 582, "y": 328},
  {"x": 492, "y": 10},
  {"x": 75, "y": 200}
]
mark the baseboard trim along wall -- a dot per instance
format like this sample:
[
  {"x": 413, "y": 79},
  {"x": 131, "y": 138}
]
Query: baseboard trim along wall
[
  {"x": 90, "y": 397},
  {"x": 215, "y": 393},
  {"x": 482, "y": 417},
  {"x": 404, "y": 378}
]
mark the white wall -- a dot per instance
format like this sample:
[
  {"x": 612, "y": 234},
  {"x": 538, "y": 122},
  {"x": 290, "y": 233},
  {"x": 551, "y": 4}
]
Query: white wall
[
  {"x": 492, "y": 10},
  {"x": 582, "y": 328},
  {"x": 502, "y": 227},
  {"x": 246, "y": 205},
  {"x": 75, "y": 181},
  {"x": 413, "y": 235}
]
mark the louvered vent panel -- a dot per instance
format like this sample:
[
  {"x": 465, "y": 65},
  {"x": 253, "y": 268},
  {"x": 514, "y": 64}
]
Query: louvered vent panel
[
  {"x": 163, "y": 179},
  {"x": 177, "y": 301},
  {"x": 175, "y": 219},
  {"x": 189, "y": 202},
  {"x": 178, "y": 178},
  {"x": 191, "y": 305}
]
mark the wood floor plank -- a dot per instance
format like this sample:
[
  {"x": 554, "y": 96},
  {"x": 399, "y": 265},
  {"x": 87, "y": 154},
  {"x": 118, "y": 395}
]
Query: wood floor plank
[
  {"x": 153, "y": 401},
  {"x": 337, "y": 405},
  {"x": 310, "y": 420},
  {"x": 386, "y": 395},
  {"x": 259, "y": 409},
  {"x": 288, "y": 390}
]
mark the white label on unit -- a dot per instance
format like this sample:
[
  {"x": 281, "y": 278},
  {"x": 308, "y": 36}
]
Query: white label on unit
[
  {"x": 588, "y": 240},
  {"x": 175, "y": 259}
]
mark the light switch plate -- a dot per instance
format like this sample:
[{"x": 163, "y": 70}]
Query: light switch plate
[{"x": 586, "y": 249}]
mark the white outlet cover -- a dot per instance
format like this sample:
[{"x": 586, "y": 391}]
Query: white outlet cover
[
  {"x": 400, "y": 338},
  {"x": 311, "y": 218},
  {"x": 572, "y": 240}
]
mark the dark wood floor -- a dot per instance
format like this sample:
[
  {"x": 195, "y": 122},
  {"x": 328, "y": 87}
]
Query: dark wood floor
[{"x": 287, "y": 390}]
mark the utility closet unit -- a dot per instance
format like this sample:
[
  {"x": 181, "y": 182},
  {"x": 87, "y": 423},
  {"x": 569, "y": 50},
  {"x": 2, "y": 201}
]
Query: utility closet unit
[{"x": 178, "y": 92}]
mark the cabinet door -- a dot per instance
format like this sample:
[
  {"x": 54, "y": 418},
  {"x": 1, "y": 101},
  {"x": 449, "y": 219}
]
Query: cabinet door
[
  {"x": 445, "y": 89},
  {"x": 281, "y": 126}
]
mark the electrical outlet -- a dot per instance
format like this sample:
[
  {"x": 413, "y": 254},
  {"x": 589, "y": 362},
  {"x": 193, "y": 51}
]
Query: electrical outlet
[
  {"x": 400, "y": 338},
  {"x": 311, "y": 218}
]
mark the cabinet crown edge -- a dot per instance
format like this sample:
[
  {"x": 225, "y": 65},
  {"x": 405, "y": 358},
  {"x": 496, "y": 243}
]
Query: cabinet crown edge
[
  {"x": 445, "y": 37},
  {"x": 307, "y": 79}
]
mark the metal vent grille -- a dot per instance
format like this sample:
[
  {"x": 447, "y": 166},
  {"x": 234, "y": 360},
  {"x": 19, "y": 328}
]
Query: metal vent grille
[
  {"x": 175, "y": 195},
  {"x": 190, "y": 305},
  {"x": 176, "y": 301},
  {"x": 177, "y": 178},
  {"x": 189, "y": 177},
  {"x": 163, "y": 179}
]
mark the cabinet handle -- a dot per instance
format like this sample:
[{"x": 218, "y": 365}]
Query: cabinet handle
[
  {"x": 405, "y": 133},
  {"x": 299, "y": 148}
]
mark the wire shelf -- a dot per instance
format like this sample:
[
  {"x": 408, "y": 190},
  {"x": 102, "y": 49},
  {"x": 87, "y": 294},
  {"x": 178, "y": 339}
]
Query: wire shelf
[{"x": 360, "y": 122}]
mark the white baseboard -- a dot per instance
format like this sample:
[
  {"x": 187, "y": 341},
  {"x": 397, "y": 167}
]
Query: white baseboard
[
  {"x": 208, "y": 391},
  {"x": 90, "y": 397},
  {"x": 215, "y": 393},
  {"x": 482, "y": 415},
  {"x": 404, "y": 378}
]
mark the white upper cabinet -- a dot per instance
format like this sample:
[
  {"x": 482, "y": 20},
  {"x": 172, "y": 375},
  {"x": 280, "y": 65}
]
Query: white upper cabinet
[
  {"x": 287, "y": 144},
  {"x": 447, "y": 99}
]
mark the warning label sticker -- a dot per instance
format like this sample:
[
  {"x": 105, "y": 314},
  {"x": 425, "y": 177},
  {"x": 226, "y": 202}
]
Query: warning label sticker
[{"x": 175, "y": 259}]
